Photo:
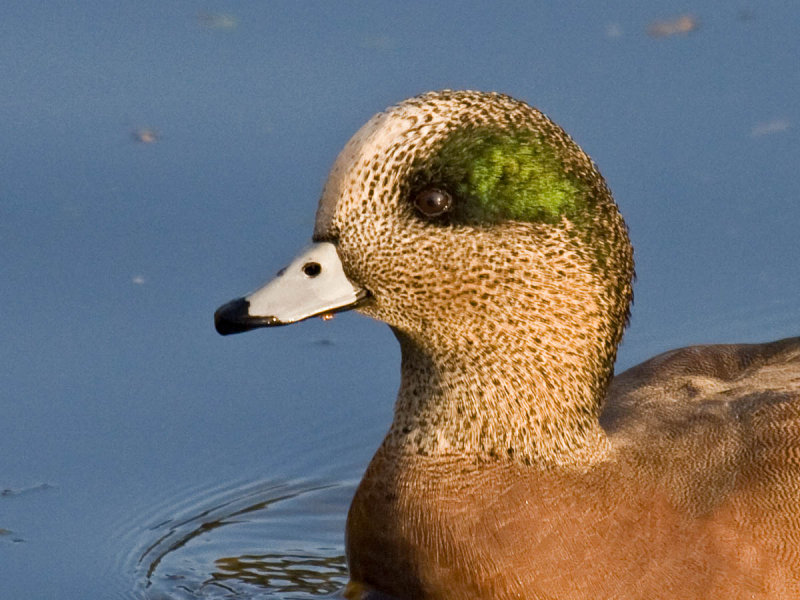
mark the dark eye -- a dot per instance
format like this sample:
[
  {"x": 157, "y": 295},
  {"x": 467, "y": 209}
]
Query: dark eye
[{"x": 433, "y": 202}]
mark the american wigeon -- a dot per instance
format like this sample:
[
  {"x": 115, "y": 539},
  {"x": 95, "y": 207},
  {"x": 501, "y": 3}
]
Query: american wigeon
[{"x": 516, "y": 465}]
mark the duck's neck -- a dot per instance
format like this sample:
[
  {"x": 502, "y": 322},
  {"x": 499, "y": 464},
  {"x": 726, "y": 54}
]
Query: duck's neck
[{"x": 532, "y": 406}]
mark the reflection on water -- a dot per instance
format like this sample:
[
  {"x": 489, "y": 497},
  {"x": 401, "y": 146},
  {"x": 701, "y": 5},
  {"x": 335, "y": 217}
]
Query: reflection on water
[
  {"x": 285, "y": 573},
  {"x": 263, "y": 540}
]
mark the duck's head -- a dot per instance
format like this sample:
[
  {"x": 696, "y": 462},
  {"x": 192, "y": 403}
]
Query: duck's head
[{"x": 462, "y": 219}]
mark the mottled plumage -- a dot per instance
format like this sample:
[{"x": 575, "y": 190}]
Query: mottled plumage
[{"x": 514, "y": 466}]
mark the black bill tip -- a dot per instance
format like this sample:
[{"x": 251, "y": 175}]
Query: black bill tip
[{"x": 234, "y": 317}]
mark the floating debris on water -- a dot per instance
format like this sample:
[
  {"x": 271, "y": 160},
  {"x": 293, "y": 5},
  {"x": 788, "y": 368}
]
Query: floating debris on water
[
  {"x": 9, "y": 535},
  {"x": 682, "y": 25},
  {"x": 138, "y": 280},
  {"x": 145, "y": 135},
  {"x": 770, "y": 127},
  {"x": 613, "y": 30},
  {"x": 218, "y": 21},
  {"x": 746, "y": 14},
  {"x": 9, "y": 492}
]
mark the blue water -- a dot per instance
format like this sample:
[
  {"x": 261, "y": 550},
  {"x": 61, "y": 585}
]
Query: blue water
[{"x": 158, "y": 159}]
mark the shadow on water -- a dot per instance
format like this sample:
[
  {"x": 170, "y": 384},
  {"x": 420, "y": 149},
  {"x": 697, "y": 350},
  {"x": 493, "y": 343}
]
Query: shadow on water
[{"x": 256, "y": 540}]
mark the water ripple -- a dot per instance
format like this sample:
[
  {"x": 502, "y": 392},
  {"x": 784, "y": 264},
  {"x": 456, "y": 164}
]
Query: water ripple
[{"x": 268, "y": 539}]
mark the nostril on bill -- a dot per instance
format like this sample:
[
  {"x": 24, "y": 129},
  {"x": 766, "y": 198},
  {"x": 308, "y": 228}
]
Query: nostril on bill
[{"x": 312, "y": 269}]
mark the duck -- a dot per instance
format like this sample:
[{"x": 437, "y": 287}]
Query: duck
[{"x": 517, "y": 464}]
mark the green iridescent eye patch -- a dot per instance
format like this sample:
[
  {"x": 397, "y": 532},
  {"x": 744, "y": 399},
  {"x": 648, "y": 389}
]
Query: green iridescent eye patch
[{"x": 504, "y": 175}]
